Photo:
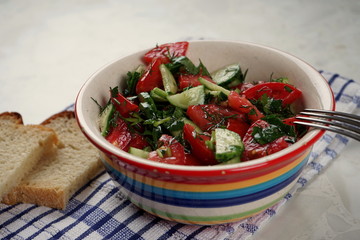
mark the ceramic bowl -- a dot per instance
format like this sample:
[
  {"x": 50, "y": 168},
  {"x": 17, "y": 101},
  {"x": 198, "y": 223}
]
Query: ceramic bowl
[{"x": 207, "y": 195}]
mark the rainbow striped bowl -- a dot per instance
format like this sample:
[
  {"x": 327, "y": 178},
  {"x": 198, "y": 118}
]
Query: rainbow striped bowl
[{"x": 208, "y": 195}]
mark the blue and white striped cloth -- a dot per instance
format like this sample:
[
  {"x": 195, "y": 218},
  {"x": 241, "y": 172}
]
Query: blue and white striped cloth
[{"x": 99, "y": 211}]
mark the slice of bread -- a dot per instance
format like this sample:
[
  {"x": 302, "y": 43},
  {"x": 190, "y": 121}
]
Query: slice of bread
[
  {"x": 59, "y": 176},
  {"x": 21, "y": 147}
]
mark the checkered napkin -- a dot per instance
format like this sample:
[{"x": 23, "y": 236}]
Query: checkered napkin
[{"x": 99, "y": 211}]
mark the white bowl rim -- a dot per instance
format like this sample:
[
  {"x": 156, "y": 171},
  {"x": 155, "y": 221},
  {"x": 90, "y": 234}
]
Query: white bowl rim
[{"x": 108, "y": 147}]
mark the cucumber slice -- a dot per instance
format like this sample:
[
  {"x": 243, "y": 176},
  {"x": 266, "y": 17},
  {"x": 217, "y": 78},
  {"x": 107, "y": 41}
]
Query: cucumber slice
[
  {"x": 228, "y": 145},
  {"x": 213, "y": 86},
  {"x": 140, "y": 69},
  {"x": 105, "y": 117},
  {"x": 226, "y": 75},
  {"x": 168, "y": 79},
  {"x": 138, "y": 152},
  {"x": 192, "y": 96},
  {"x": 159, "y": 95}
]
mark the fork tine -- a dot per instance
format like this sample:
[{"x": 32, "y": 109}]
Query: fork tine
[
  {"x": 339, "y": 116},
  {"x": 332, "y": 123},
  {"x": 343, "y": 114},
  {"x": 349, "y": 115},
  {"x": 339, "y": 122},
  {"x": 341, "y": 131}
]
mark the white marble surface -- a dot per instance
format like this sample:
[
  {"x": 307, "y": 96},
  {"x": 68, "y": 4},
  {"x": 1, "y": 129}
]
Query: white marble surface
[{"x": 49, "y": 48}]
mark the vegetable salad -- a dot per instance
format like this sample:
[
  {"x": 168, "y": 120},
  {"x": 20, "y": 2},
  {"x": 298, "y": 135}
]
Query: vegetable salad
[{"x": 176, "y": 112}]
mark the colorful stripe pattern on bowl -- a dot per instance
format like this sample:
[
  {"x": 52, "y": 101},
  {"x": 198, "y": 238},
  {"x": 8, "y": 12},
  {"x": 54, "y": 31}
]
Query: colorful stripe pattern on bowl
[{"x": 205, "y": 204}]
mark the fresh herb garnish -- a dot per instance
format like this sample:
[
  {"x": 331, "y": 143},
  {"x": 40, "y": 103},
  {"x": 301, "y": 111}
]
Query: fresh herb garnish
[
  {"x": 101, "y": 108},
  {"x": 275, "y": 130},
  {"x": 252, "y": 111},
  {"x": 152, "y": 135},
  {"x": 114, "y": 92},
  {"x": 134, "y": 119},
  {"x": 288, "y": 89},
  {"x": 203, "y": 70},
  {"x": 160, "y": 118},
  {"x": 271, "y": 106},
  {"x": 281, "y": 79},
  {"x": 216, "y": 120},
  {"x": 131, "y": 81}
]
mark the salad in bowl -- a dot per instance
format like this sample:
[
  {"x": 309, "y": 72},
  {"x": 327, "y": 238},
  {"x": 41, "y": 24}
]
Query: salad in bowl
[{"x": 174, "y": 111}]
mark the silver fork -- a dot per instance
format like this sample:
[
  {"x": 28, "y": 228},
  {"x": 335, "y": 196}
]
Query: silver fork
[{"x": 343, "y": 123}]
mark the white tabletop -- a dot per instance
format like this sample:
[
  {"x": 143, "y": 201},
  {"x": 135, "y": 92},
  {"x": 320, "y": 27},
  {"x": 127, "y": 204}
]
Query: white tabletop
[{"x": 49, "y": 48}]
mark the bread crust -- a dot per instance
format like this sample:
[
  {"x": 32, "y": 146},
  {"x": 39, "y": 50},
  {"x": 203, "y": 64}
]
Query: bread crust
[
  {"x": 63, "y": 114},
  {"x": 53, "y": 198},
  {"x": 14, "y": 117}
]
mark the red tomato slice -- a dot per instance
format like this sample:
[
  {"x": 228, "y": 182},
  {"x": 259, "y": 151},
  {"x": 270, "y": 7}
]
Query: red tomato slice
[
  {"x": 165, "y": 51},
  {"x": 192, "y": 160},
  {"x": 285, "y": 92},
  {"x": 243, "y": 105},
  {"x": 120, "y": 135},
  {"x": 188, "y": 80},
  {"x": 198, "y": 146},
  {"x": 151, "y": 78},
  {"x": 240, "y": 127},
  {"x": 209, "y": 116},
  {"x": 255, "y": 150},
  {"x": 177, "y": 151},
  {"x": 138, "y": 141},
  {"x": 123, "y": 105}
]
